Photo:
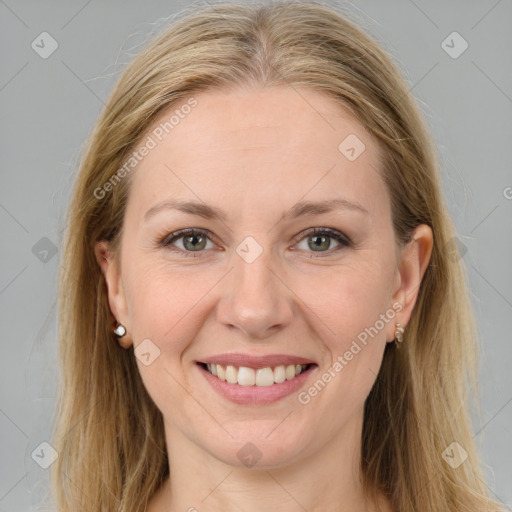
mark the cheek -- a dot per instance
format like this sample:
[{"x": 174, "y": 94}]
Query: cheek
[
  {"x": 162, "y": 300},
  {"x": 349, "y": 299},
  {"x": 352, "y": 310},
  {"x": 165, "y": 307},
  {"x": 346, "y": 310}
]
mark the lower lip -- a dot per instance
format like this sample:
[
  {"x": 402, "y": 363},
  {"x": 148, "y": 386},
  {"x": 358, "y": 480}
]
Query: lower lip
[{"x": 256, "y": 395}]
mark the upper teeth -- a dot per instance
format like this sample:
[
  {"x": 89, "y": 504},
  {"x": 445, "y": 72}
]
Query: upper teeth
[{"x": 246, "y": 376}]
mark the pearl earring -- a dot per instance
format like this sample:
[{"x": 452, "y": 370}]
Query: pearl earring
[
  {"x": 120, "y": 330},
  {"x": 399, "y": 335}
]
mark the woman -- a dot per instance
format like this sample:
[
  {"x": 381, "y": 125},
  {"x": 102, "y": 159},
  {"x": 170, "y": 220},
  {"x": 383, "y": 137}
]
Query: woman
[{"x": 260, "y": 306}]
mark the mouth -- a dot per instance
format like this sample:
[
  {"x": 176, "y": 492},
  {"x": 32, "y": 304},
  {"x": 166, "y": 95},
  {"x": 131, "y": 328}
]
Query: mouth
[{"x": 245, "y": 376}]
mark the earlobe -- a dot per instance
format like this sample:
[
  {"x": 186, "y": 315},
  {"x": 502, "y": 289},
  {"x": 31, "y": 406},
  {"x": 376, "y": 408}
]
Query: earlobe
[{"x": 415, "y": 258}]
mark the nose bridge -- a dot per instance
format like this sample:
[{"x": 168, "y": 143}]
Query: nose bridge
[
  {"x": 253, "y": 276},
  {"x": 255, "y": 300}
]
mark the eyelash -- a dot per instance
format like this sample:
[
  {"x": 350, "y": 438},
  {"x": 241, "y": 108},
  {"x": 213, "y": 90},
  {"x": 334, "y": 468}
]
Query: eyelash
[{"x": 167, "y": 241}]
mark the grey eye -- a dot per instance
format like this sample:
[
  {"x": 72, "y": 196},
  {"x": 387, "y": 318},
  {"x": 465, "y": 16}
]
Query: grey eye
[
  {"x": 318, "y": 242},
  {"x": 195, "y": 242}
]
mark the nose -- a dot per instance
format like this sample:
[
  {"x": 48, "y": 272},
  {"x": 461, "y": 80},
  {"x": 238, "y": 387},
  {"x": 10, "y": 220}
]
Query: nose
[{"x": 255, "y": 298}]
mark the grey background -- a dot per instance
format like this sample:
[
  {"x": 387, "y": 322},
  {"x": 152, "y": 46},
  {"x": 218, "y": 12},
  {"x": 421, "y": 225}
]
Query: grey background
[{"x": 48, "y": 108}]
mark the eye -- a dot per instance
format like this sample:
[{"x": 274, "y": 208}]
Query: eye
[
  {"x": 196, "y": 240},
  {"x": 319, "y": 240},
  {"x": 191, "y": 240}
]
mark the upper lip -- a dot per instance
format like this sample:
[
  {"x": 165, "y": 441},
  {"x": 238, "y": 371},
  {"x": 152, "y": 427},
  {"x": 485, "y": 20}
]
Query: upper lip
[{"x": 270, "y": 360}]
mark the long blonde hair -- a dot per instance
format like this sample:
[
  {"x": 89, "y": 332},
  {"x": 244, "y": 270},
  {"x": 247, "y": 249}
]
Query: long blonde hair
[{"x": 108, "y": 432}]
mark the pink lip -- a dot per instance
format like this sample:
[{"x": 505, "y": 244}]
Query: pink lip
[
  {"x": 270, "y": 360},
  {"x": 256, "y": 395}
]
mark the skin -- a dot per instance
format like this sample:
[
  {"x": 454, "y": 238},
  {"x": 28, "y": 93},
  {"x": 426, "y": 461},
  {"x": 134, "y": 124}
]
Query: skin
[{"x": 254, "y": 153}]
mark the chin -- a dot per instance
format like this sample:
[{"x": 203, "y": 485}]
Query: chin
[{"x": 259, "y": 450}]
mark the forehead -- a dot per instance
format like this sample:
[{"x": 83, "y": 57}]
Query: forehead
[{"x": 252, "y": 143}]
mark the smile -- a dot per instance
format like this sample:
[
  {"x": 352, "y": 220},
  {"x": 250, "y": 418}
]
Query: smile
[{"x": 261, "y": 377}]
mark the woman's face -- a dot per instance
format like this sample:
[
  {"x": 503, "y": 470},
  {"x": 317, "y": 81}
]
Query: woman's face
[{"x": 256, "y": 281}]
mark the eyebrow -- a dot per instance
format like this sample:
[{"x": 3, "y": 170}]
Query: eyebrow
[{"x": 298, "y": 210}]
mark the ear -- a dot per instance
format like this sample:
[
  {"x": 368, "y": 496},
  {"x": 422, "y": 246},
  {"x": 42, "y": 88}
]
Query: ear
[
  {"x": 116, "y": 296},
  {"x": 414, "y": 260}
]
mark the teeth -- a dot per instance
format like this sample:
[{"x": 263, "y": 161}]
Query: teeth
[
  {"x": 290, "y": 372},
  {"x": 264, "y": 377},
  {"x": 245, "y": 376},
  {"x": 231, "y": 374},
  {"x": 279, "y": 374}
]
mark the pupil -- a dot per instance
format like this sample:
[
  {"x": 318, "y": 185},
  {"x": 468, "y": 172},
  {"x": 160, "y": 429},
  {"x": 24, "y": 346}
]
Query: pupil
[
  {"x": 193, "y": 239},
  {"x": 320, "y": 240}
]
